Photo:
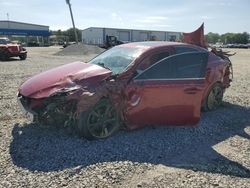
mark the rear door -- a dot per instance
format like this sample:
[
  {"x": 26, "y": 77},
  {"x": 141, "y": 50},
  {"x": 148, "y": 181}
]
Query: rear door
[{"x": 169, "y": 92}]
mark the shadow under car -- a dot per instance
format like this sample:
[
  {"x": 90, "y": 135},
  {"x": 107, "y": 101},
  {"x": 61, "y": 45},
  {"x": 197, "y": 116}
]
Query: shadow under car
[{"x": 50, "y": 149}]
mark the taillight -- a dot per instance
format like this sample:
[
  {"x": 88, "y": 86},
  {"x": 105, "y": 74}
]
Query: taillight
[
  {"x": 22, "y": 48},
  {"x": 227, "y": 71}
]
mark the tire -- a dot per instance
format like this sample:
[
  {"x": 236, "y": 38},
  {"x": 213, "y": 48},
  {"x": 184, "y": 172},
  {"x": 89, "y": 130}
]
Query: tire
[
  {"x": 23, "y": 56},
  {"x": 214, "y": 98},
  {"x": 99, "y": 122},
  {"x": 4, "y": 55}
]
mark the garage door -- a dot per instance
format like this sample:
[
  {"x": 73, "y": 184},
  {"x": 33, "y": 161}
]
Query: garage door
[
  {"x": 172, "y": 38},
  {"x": 124, "y": 36},
  {"x": 143, "y": 36}
]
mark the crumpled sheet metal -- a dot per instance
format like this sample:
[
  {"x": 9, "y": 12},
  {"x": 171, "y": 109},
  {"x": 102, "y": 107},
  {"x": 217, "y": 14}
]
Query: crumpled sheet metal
[
  {"x": 88, "y": 97},
  {"x": 67, "y": 76},
  {"x": 196, "y": 38}
]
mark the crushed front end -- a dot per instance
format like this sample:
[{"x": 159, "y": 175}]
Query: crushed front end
[
  {"x": 57, "y": 96},
  {"x": 54, "y": 110}
]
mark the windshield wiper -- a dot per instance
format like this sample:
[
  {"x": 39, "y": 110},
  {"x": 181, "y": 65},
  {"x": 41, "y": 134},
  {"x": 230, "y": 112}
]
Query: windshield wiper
[{"x": 102, "y": 65}]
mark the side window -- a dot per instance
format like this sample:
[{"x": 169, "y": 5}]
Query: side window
[
  {"x": 189, "y": 65},
  {"x": 157, "y": 57},
  {"x": 184, "y": 49},
  {"x": 151, "y": 60}
]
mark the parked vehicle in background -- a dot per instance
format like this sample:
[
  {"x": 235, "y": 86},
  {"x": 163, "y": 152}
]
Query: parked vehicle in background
[
  {"x": 218, "y": 45},
  {"x": 66, "y": 44},
  {"x": 243, "y": 46},
  {"x": 131, "y": 85},
  {"x": 33, "y": 44},
  {"x": 237, "y": 46},
  {"x": 110, "y": 42},
  {"x": 9, "y": 49}
]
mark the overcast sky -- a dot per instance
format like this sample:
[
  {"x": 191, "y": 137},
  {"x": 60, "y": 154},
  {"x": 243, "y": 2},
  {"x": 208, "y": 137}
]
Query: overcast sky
[{"x": 219, "y": 16}]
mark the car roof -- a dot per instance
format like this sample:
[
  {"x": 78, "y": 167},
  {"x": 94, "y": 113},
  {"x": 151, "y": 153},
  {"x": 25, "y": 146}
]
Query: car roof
[
  {"x": 152, "y": 44},
  {"x": 157, "y": 44}
]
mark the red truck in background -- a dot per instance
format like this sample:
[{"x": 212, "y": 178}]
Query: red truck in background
[{"x": 9, "y": 49}]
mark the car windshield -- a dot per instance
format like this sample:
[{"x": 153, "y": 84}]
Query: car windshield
[
  {"x": 4, "y": 41},
  {"x": 117, "y": 58}
]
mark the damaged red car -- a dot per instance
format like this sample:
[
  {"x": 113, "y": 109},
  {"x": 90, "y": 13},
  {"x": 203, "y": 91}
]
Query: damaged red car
[{"x": 131, "y": 85}]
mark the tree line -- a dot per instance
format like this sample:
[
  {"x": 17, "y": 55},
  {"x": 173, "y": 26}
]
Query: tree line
[
  {"x": 67, "y": 35},
  {"x": 228, "y": 38}
]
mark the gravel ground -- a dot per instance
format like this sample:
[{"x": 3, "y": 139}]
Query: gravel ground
[
  {"x": 80, "y": 49},
  {"x": 215, "y": 154}
]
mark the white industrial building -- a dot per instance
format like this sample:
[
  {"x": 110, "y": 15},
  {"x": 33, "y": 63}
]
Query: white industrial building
[{"x": 97, "y": 35}]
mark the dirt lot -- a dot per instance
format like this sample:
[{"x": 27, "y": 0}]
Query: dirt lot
[{"x": 216, "y": 154}]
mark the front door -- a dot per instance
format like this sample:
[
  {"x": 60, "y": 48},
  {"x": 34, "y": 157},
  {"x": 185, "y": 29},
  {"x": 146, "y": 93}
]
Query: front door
[{"x": 169, "y": 92}]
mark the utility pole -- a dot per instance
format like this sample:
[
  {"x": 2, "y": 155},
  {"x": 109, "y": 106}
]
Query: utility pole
[
  {"x": 71, "y": 14},
  {"x": 8, "y": 19}
]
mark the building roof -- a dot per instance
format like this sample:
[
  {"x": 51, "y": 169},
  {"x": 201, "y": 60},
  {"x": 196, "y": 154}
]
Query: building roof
[
  {"x": 25, "y": 29},
  {"x": 130, "y": 29},
  {"x": 6, "y": 21}
]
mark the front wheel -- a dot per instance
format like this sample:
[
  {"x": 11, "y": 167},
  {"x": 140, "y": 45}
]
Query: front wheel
[
  {"x": 214, "y": 98},
  {"x": 23, "y": 56},
  {"x": 100, "y": 121}
]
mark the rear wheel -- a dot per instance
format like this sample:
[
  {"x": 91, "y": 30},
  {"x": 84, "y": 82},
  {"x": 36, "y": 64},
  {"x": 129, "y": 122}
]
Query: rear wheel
[
  {"x": 23, "y": 56},
  {"x": 4, "y": 54},
  {"x": 100, "y": 121},
  {"x": 214, "y": 98}
]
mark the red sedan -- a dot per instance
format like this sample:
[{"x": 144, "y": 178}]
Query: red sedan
[{"x": 131, "y": 85}]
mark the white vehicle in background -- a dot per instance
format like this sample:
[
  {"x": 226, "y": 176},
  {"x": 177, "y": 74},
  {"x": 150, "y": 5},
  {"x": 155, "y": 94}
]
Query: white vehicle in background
[{"x": 218, "y": 45}]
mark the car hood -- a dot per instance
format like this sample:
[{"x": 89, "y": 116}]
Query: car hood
[{"x": 73, "y": 75}]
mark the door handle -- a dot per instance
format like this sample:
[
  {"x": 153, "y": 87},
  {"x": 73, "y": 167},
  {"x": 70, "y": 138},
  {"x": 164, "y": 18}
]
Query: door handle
[{"x": 191, "y": 90}]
